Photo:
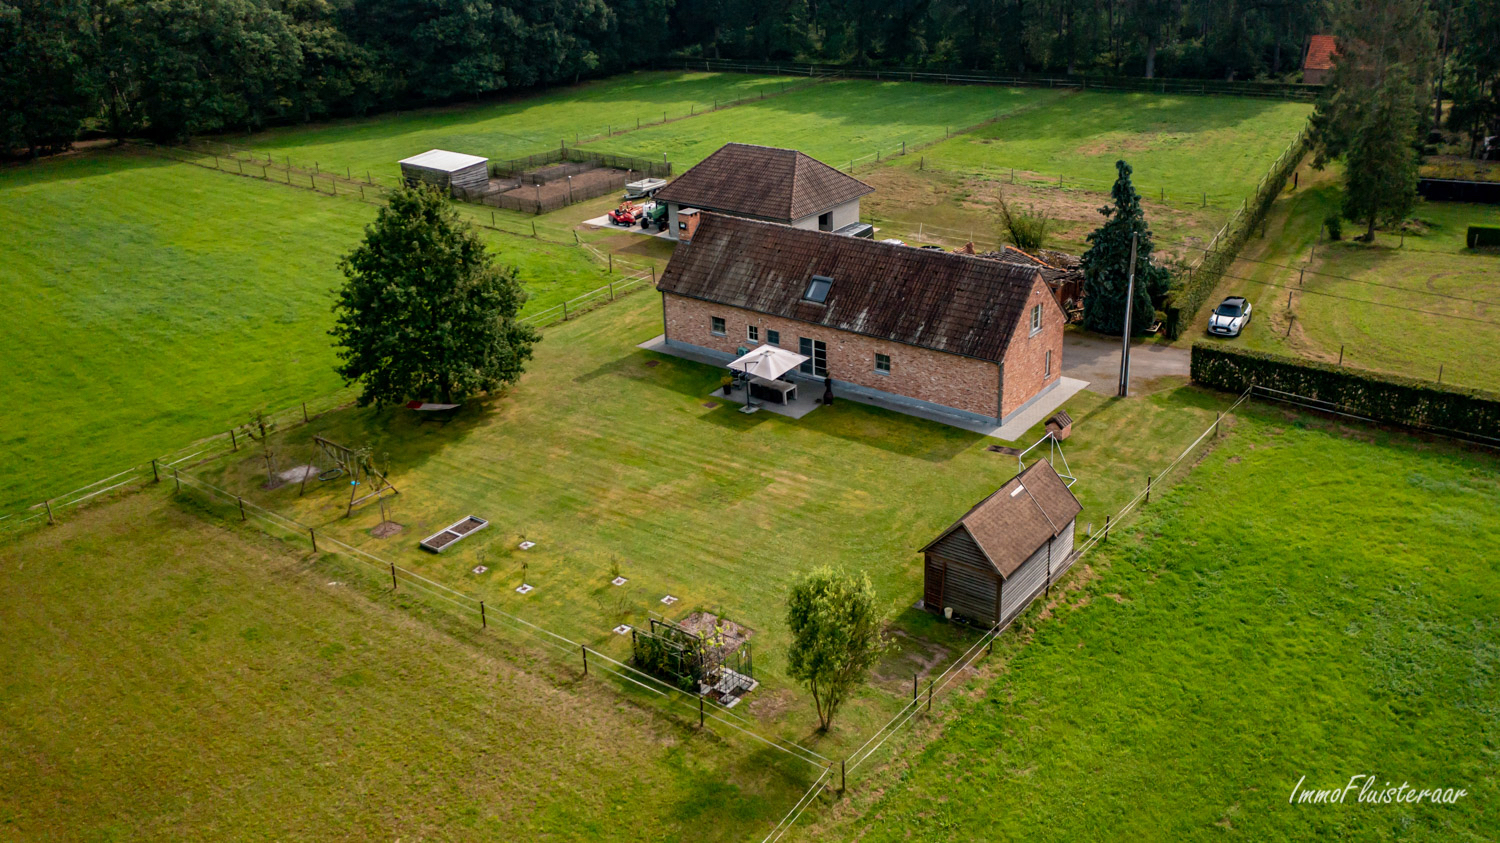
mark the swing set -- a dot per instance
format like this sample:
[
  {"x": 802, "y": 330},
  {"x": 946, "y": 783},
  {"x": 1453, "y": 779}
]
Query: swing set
[{"x": 359, "y": 466}]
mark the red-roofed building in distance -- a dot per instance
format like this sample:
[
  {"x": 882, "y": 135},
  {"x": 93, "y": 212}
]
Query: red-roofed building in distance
[{"x": 1318, "y": 64}]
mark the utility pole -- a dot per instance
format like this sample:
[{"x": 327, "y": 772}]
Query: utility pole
[{"x": 1125, "y": 333}]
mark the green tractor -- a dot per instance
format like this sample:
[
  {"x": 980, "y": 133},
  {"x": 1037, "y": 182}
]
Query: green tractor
[{"x": 655, "y": 214}]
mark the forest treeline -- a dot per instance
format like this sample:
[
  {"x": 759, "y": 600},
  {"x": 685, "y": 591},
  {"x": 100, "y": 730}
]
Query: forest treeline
[{"x": 169, "y": 68}]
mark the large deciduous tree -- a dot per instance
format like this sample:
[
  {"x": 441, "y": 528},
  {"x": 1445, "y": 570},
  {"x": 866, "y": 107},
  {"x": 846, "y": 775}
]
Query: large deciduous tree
[
  {"x": 1106, "y": 264},
  {"x": 836, "y": 635},
  {"x": 47, "y": 81},
  {"x": 1372, "y": 112},
  {"x": 425, "y": 312}
]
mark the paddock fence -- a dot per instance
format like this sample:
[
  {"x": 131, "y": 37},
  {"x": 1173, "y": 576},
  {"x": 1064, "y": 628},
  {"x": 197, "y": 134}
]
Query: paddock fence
[
  {"x": 937, "y": 688},
  {"x": 638, "y": 278},
  {"x": 1264, "y": 90}
]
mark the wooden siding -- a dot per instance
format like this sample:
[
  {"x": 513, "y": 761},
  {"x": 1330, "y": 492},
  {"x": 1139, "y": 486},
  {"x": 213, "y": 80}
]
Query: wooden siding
[
  {"x": 1022, "y": 585},
  {"x": 472, "y": 177},
  {"x": 959, "y": 576}
]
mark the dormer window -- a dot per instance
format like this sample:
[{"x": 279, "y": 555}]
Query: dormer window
[{"x": 817, "y": 289}]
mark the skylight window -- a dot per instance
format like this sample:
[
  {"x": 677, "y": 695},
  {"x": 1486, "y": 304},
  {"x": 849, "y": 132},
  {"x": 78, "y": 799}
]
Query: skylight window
[{"x": 817, "y": 289}]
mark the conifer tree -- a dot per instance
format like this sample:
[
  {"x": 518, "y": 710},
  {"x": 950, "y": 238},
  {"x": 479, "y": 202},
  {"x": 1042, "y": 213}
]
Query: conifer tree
[{"x": 1106, "y": 264}]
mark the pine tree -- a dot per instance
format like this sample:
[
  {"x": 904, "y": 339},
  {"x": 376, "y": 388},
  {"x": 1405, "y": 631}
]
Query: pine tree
[
  {"x": 1371, "y": 113},
  {"x": 1106, "y": 264},
  {"x": 424, "y": 312}
]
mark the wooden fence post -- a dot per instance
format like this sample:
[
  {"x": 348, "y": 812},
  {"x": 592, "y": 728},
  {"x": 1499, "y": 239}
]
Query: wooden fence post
[
  {"x": 48, "y": 504},
  {"x": 234, "y": 441},
  {"x": 585, "y": 649},
  {"x": 393, "y": 577},
  {"x": 1148, "y": 488},
  {"x": 304, "y": 412},
  {"x": 483, "y": 623},
  {"x": 242, "y": 507},
  {"x": 929, "y": 694},
  {"x": 155, "y": 475},
  {"x": 700, "y": 711},
  {"x": 1106, "y": 528}
]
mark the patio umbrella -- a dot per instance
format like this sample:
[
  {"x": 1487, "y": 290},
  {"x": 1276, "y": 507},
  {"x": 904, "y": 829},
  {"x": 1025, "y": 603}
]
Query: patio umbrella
[{"x": 767, "y": 362}]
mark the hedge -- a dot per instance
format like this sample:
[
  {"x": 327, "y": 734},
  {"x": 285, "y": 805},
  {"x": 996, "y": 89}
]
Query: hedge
[
  {"x": 1470, "y": 413},
  {"x": 1484, "y": 235},
  {"x": 1193, "y": 289}
]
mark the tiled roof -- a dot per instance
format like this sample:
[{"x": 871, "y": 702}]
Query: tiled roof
[
  {"x": 763, "y": 181},
  {"x": 1020, "y": 517},
  {"x": 920, "y": 297},
  {"x": 1320, "y": 52}
]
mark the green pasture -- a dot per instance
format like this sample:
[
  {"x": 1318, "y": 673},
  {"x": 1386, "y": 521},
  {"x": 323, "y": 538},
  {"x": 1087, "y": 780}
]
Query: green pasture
[
  {"x": 1403, "y": 304},
  {"x": 835, "y": 122},
  {"x": 1187, "y": 146},
  {"x": 169, "y": 676},
  {"x": 613, "y": 459},
  {"x": 530, "y": 123},
  {"x": 153, "y": 303},
  {"x": 1312, "y": 600}
]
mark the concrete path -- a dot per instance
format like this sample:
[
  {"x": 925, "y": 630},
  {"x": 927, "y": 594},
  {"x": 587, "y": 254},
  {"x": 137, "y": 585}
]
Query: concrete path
[
  {"x": 1097, "y": 360},
  {"x": 808, "y": 398}
]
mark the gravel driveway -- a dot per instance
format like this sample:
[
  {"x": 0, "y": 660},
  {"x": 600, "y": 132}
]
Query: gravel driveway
[{"x": 1097, "y": 360}]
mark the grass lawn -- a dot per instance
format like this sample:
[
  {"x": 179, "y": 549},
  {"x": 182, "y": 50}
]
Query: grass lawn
[
  {"x": 169, "y": 676},
  {"x": 606, "y": 455},
  {"x": 1388, "y": 278},
  {"x": 165, "y": 302},
  {"x": 1184, "y": 150},
  {"x": 1312, "y": 600},
  {"x": 835, "y": 122},
  {"x": 1186, "y": 145},
  {"x": 511, "y": 128}
]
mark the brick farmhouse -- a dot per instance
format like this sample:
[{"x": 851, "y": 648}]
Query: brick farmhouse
[
  {"x": 974, "y": 339},
  {"x": 763, "y": 183}
]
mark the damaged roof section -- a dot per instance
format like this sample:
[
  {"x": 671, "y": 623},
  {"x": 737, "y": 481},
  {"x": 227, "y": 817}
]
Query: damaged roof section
[{"x": 919, "y": 297}]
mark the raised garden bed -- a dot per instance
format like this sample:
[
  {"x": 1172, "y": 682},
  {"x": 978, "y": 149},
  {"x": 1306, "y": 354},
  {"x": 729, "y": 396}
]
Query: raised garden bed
[{"x": 445, "y": 538}]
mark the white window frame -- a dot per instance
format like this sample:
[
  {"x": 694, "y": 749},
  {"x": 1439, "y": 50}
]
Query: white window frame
[
  {"x": 887, "y": 370},
  {"x": 1036, "y": 318},
  {"x": 752, "y": 333},
  {"x": 1047, "y": 365},
  {"x": 722, "y": 326}
]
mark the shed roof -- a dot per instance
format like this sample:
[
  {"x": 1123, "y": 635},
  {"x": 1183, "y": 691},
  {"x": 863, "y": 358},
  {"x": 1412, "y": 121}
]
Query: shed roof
[
  {"x": 920, "y": 297},
  {"x": 1320, "y": 52},
  {"x": 763, "y": 181},
  {"x": 443, "y": 161},
  {"x": 1020, "y": 517}
]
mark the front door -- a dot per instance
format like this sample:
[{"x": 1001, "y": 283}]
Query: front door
[{"x": 816, "y": 352}]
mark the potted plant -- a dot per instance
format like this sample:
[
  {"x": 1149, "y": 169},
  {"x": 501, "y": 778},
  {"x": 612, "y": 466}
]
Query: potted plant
[{"x": 727, "y": 382}]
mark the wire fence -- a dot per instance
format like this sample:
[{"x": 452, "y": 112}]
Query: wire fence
[
  {"x": 1204, "y": 87},
  {"x": 921, "y": 703},
  {"x": 230, "y": 439}
]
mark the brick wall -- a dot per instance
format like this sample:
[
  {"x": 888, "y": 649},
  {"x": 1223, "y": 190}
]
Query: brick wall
[
  {"x": 1026, "y": 359},
  {"x": 947, "y": 379}
]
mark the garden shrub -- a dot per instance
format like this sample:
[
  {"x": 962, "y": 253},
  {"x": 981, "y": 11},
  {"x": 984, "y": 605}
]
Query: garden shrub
[
  {"x": 1335, "y": 225},
  {"x": 1483, "y": 235},
  {"x": 1471, "y": 413}
]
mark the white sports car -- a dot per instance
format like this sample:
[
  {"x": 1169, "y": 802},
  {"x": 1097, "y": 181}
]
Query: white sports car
[{"x": 1230, "y": 317}]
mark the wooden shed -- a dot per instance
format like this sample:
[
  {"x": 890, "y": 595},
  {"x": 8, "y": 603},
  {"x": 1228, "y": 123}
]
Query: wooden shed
[
  {"x": 992, "y": 562},
  {"x": 451, "y": 171}
]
